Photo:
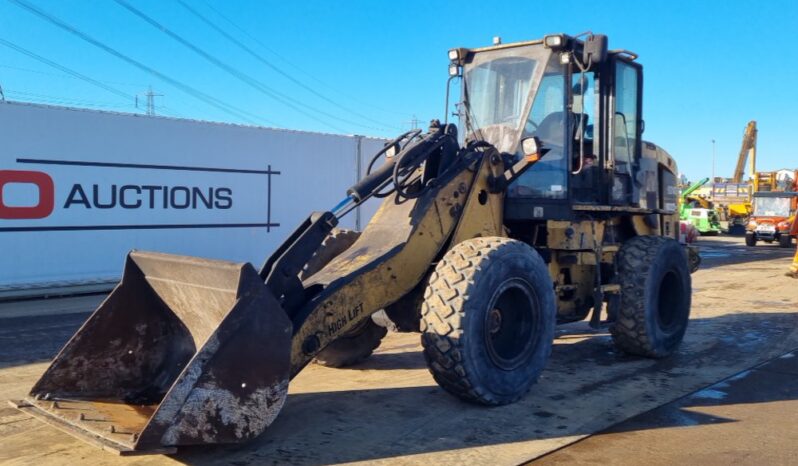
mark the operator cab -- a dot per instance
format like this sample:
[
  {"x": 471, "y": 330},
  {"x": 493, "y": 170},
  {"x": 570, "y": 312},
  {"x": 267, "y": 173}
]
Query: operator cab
[{"x": 581, "y": 102}]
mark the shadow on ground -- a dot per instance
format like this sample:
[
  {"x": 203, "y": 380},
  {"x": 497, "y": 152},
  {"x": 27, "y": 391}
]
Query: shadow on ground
[
  {"x": 587, "y": 387},
  {"x": 24, "y": 340}
]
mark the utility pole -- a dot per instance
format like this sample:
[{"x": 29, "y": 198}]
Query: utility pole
[
  {"x": 150, "y": 101},
  {"x": 712, "y": 183},
  {"x": 2, "y": 95},
  {"x": 413, "y": 123},
  {"x": 713, "y": 161}
]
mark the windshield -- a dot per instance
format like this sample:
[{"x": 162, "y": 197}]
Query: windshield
[
  {"x": 772, "y": 206},
  {"x": 498, "y": 87}
]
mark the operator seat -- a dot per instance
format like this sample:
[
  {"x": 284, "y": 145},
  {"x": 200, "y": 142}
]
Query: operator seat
[
  {"x": 551, "y": 130},
  {"x": 548, "y": 177}
]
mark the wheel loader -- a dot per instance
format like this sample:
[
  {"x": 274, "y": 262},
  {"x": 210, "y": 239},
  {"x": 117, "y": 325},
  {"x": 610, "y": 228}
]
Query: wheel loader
[{"x": 544, "y": 207}]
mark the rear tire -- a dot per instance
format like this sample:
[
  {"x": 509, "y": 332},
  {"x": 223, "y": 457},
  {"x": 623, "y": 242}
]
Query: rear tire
[
  {"x": 357, "y": 344},
  {"x": 785, "y": 240},
  {"x": 339, "y": 240},
  {"x": 405, "y": 314},
  {"x": 750, "y": 239},
  {"x": 488, "y": 319},
  {"x": 353, "y": 346},
  {"x": 655, "y": 296}
]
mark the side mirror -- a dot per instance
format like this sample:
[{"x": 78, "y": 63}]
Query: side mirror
[
  {"x": 530, "y": 146},
  {"x": 532, "y": 152},
  {"x": 595, "y": 49}
]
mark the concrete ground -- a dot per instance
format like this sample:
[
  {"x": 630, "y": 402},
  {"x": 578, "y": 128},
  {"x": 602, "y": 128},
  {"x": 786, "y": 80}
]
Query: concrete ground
[
  {"x": 389, "y": 410},
  {"x": 748, "y": 418}
]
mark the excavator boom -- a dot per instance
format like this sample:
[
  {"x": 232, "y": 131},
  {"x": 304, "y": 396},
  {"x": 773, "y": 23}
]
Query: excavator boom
[
  {"x": 694, "y": 187},
  {"x": 748, "y": 147}
]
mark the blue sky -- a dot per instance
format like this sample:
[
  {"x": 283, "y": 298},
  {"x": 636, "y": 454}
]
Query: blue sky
[{"x": 371, "y": 67}]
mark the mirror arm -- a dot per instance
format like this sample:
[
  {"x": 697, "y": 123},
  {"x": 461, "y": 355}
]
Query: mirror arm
[{"x": 500, "y": 183}]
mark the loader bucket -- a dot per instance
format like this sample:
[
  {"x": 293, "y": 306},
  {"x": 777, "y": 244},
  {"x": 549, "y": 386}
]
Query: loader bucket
[{"x": 183, "y": 351}]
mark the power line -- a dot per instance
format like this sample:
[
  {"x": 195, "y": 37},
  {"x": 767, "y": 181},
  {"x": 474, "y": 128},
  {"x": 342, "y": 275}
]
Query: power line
[
  {"x": 62, "y": 100},
  {"x": 247, "y": 79},
  {"x": 59, "y": 75},
  {"x": 56, "y": 100},
  {"x": 294, "y": 66},
  {"x": 69, "y": 71},
  {"x": 266, "y": 62},
  {"x": 229, "y": 69},
  {"x": 210, "y": 100}
]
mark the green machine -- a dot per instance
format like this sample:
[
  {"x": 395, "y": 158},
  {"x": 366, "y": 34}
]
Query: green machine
[{"x": 699, "y": 211}]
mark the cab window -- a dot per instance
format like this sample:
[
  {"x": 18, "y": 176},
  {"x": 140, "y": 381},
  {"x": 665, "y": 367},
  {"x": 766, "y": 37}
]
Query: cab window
[
  {"x": 625, "y": 130},
  {"x": 586, "y": 173},
  {"x": 548, "y": 121},
  {"x": 626, "y": 114}
]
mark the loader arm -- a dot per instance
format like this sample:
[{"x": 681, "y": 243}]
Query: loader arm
[{"x": 395, "y": 251}]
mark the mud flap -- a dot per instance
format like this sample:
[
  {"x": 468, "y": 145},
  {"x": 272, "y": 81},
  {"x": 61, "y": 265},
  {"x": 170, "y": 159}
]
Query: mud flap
[{"x": 183, "y": 351}]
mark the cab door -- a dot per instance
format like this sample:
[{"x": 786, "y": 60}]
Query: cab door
[{"x": 624, "y": 127}]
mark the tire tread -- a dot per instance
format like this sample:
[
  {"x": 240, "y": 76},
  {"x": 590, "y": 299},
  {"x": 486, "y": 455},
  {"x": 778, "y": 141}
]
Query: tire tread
[{"x": 442, "y": 315}]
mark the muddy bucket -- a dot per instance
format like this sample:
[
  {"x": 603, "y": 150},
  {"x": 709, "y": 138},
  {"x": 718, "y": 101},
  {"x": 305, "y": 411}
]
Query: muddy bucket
[{"x": 183, "y": 351}]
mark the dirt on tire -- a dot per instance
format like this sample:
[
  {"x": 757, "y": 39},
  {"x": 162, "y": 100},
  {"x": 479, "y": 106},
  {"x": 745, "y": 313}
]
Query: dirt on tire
[
  {"x": 656, "y": 292},
  {"x": 461, "y": 291}
]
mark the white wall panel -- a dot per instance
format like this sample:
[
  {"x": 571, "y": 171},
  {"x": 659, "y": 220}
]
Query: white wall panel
[{"x": 247, "y": 187}]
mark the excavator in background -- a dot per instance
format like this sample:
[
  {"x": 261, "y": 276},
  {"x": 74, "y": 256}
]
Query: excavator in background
[
  {"x": 699, "y": 211},
  {"x": 545, "y": 207},
  {"x": 747, "y": 153},
  {"x": 733, "y": 199}
]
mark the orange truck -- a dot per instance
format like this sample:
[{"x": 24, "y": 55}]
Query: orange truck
[{"x": 772, "y": 218}]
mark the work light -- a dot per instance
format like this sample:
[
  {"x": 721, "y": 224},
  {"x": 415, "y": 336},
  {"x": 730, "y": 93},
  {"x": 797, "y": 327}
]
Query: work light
[{"x": 555, "y": 41}]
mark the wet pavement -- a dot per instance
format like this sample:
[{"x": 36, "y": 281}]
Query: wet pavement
[
  {"x": 748, "y": 418},
  {"x": 389, "y": 410}
]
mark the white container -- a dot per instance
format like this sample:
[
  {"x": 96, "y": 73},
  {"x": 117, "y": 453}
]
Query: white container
[{"x": 80, "y": 188}]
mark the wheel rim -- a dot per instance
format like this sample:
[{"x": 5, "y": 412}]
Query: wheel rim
[
  {"x": 670, "y": 301},
  {"x": 511, "y": 324}
]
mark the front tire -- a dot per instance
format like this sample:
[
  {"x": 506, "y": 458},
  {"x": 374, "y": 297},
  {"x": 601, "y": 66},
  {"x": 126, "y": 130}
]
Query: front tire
[
  {"x": 488, "y": 320},
  {"x": 750, "y": 239},
  {"x": 656, "y": 292},
  {"x": 785, "y": 240}
]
